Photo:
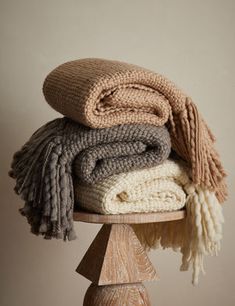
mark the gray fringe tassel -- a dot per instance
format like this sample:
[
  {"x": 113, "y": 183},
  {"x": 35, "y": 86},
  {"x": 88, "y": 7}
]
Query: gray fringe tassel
[{"x": 42, "y": 169}]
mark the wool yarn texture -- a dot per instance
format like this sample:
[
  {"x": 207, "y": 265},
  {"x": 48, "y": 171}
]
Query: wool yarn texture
[
  {"x": 46, "y": 165},
  {"x": 103, "y": 93},
  {"x": 155, "y": 189},
  {"x": 197, "y": 235},
  {"x": 166, "y": 187}
]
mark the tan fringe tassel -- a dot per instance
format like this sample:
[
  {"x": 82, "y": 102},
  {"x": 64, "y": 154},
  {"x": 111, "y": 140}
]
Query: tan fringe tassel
[
  {"x": 193, "y": 141},
  {"x": 197, "y": 235}
]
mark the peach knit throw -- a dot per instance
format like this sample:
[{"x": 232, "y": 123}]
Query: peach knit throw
[{"x": 102, "y": 93}]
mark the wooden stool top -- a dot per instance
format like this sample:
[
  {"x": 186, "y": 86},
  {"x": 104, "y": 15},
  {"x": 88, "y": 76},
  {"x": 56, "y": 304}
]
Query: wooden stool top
[{"x": 135, "y": 218}]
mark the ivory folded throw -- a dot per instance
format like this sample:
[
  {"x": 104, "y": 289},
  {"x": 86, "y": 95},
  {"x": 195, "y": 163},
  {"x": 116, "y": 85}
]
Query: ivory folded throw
[
  {"x": 159, "y": 188},
  {"x": 166, "y": 187},
  {"x": 45, "y": 166},
  {"x": 102, "y": 93}
]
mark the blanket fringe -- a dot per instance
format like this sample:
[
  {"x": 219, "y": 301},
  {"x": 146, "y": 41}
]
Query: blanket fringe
[
  {"x": 42, "y": 179},
  {"x": 199, "y": 234},
  {"x": 193, "y": 141}
]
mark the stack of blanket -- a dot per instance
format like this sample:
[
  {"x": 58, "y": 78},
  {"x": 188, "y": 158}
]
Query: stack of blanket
[{"x": 130, "y": 141}]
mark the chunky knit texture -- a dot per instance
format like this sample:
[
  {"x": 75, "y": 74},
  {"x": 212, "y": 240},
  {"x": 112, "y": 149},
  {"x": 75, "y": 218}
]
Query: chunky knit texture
[
  {"x": 166, "y": 187},
  {"x": 102, "y": 93},
  {"x": 159, "y": 188},
  {"x": 45, "y": 165}
]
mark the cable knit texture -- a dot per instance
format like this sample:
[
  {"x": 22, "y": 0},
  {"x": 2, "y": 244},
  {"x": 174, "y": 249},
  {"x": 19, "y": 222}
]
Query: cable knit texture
[
  {"x": 45, "y": 166},
  {"x": 159, "y": 188},
  {"x": 102, "y": 93}
]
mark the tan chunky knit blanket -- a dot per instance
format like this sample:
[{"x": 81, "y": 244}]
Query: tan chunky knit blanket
[
  {"x": 102, "y": 93},
  {"x": 159, "y": 188}
]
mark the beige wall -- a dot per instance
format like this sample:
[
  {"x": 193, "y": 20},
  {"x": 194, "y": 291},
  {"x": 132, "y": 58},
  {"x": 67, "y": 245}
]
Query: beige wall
[{"x": 191, "y": 42}]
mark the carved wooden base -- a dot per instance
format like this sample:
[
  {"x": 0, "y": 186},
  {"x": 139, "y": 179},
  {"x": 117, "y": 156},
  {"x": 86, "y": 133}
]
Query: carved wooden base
[
  {"x": 117, "y": 295},
  {"x": 116, "y": 263}
]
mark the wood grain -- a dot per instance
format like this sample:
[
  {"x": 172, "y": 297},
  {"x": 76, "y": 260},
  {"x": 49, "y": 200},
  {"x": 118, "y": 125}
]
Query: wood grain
[
  {"x": 117, "y": 295},
  {"x": 116, "y": 257},
  {"x": 136, "y": 218}
]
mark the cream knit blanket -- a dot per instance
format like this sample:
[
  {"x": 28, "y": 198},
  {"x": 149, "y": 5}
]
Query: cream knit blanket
[
  {"x": 102, "y": 93},
  {"x": 160, "y": 188},
  {"x": 166, "y": 187}
]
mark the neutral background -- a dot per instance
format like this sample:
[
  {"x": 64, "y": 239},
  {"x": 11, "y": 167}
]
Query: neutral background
[{"x": 191, "y": 42}]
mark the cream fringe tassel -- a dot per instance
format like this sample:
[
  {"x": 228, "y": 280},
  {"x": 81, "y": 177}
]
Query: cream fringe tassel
[{"x": 197, "y": 235}]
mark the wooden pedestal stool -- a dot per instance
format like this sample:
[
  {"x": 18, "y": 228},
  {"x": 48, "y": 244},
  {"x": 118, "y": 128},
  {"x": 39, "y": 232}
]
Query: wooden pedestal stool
[{"x": 115, "y": 262}]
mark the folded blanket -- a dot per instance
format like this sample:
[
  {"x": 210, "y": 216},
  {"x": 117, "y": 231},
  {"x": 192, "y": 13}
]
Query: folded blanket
[
  {"x": 102, "y": 93},
  {"x": 166, "y": 187},
  {"x": 159, "y": 188},
  {"x": 45, "y": 166}
]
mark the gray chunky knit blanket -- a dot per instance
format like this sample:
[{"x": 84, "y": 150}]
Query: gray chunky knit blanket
[{"x": 45, "y": 166}]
